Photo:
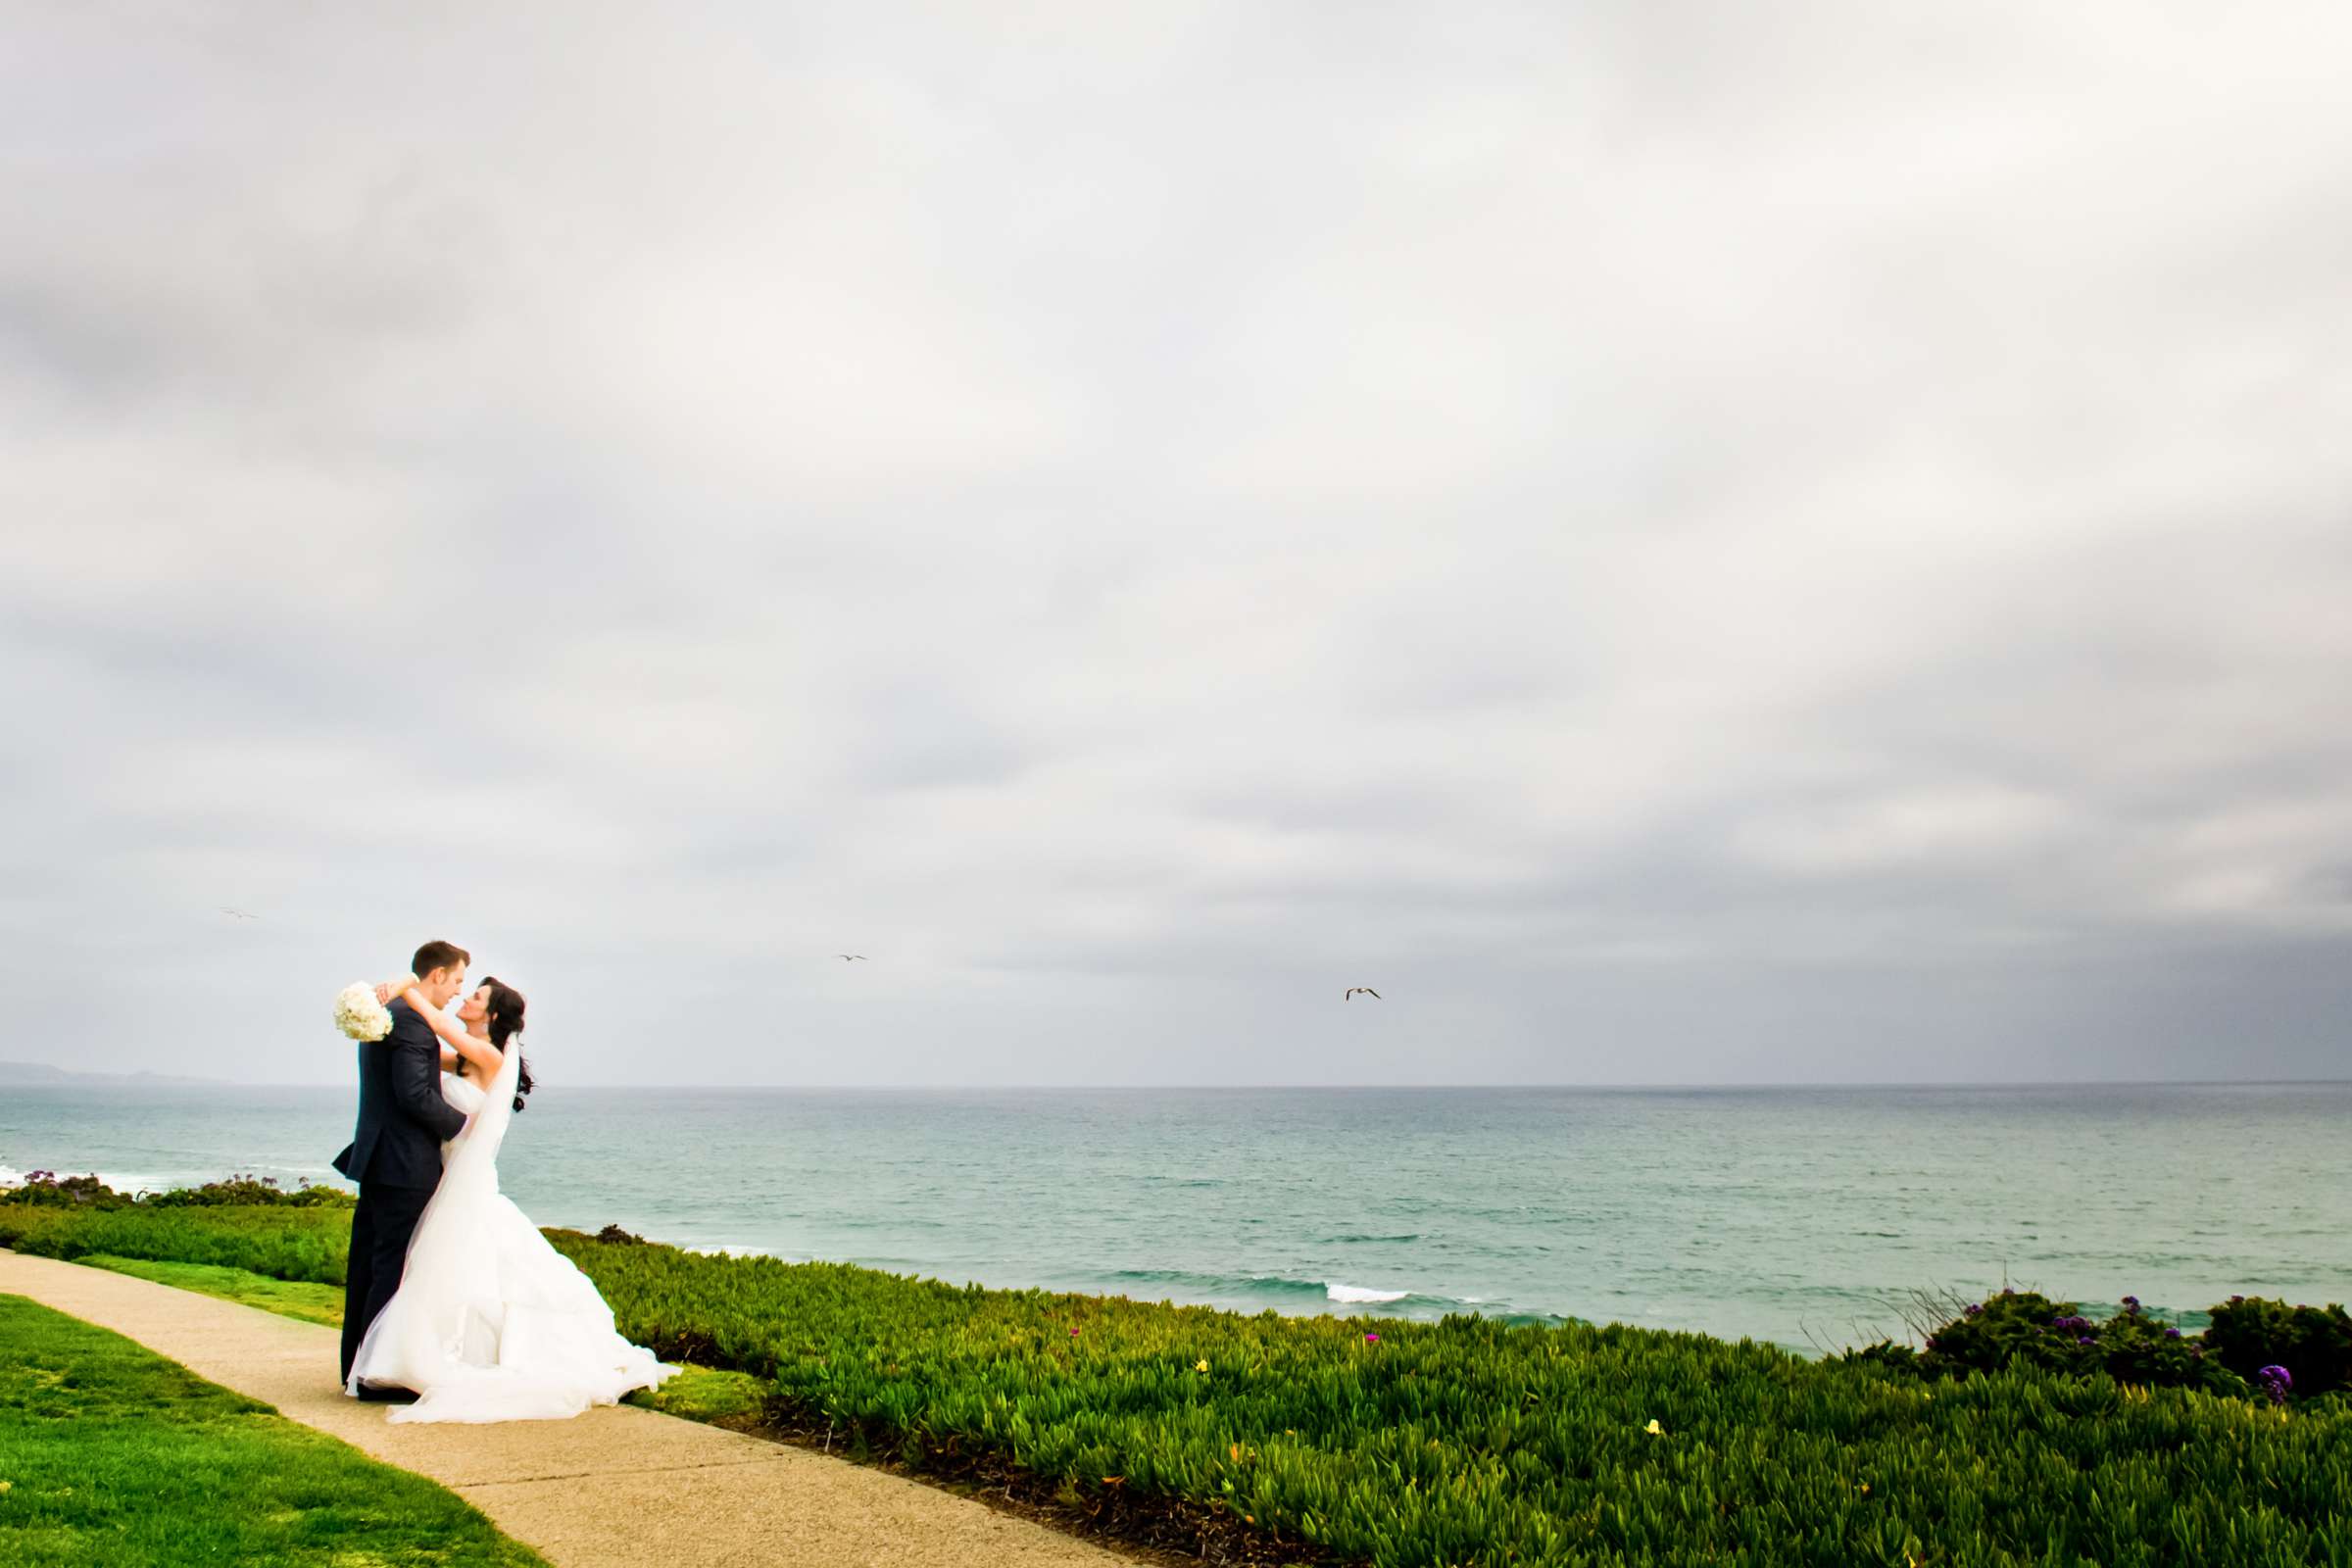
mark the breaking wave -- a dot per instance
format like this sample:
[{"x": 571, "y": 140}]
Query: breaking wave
[
  {"x": 1359, "y": 1295},
  {"x": 1302, "y": 1297}
]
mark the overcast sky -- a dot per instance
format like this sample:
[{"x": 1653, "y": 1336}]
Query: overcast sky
[{"x": 1681, "y": 543}]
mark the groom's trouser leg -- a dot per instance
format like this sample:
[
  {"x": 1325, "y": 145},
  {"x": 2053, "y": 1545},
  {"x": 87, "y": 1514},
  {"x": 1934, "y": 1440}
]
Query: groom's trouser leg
[
  {"x": 358, "y": 1271},
  {"x": 392, "y": 1216}
]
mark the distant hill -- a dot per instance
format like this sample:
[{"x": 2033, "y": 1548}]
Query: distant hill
[{"x": 41, "y": 1072}]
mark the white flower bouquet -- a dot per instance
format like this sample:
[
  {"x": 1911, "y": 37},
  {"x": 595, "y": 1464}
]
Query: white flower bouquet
[{"x": 359, "y": 1015}]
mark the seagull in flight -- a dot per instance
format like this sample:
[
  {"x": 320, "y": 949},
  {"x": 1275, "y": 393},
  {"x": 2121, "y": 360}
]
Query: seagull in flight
[
  {"x": 1350, "y": 994},
  {"x": 237, "y": 914},
  {"x": 850, "y": 957}
]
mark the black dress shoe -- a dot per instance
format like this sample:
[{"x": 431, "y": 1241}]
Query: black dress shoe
[{"x": 374, "y": 1393}]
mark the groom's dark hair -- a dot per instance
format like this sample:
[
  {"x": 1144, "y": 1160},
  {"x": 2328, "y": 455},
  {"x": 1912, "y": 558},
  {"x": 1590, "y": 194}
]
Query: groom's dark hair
[{"x": 438, "y": 955}]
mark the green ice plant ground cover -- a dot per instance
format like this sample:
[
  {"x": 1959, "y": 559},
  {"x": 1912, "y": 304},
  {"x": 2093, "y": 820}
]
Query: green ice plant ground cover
[
  {"x": 285, "y": 1243},
  {"x": 1463, "y": 1442},
  {"x": 112, "y": 1456}
]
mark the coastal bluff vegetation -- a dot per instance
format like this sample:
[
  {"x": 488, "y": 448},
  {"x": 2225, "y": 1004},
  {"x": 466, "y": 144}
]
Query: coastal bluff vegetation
[{"x": 2020, "y": 1430}]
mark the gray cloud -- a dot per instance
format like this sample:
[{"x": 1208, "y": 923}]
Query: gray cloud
[{"x": 1684, "y": 547}]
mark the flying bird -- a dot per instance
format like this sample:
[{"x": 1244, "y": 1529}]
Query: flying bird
[
  {"x": 237, "y": 914},
  {"x": 1351, "y": 993},
  {"x": 850, "y": 957}
]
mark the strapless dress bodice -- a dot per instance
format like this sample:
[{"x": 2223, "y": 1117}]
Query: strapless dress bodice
[{"x": 463, "y": 1092}]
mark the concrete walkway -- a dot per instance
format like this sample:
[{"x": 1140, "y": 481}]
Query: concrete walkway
[{"x": 617, "y": 1485}]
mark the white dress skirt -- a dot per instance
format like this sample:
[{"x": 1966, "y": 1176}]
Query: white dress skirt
[{"x": 491, "y": 1323}]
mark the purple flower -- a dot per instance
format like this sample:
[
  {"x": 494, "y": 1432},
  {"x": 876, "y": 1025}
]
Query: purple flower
[
  {"x": 2082, "y": 1339},
  {"x": 2131, "y": 1303},
  {"x": 2172, "y": 1334},
  {"x": 1972, "y": 1309},
  {"x": 2277, "y": 1382}
]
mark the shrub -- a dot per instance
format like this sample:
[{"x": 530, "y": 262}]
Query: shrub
[
  {"x": 1886, "y": 1355},
  {"x": 243, "y": 1190},
  {"x": 2138, "y": 1347},
  {"x": 2313, "y": 1344},
  {"x": 2253, "y": 1348},
  {"x": 45, "y": 1188},
  {"x": 2023, "y": 1328},
  {"x": 2015, "y": 1326}
]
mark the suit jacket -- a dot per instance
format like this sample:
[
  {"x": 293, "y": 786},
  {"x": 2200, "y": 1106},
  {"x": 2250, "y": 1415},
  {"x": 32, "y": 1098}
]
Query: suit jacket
[{"x": 402, "y": 1119}]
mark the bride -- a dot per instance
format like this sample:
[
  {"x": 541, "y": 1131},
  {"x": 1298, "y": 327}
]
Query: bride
[{"x": 490, "y": 1323}]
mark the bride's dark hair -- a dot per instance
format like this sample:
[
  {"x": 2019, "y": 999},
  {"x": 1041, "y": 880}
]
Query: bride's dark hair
[{"x": 506, "y": 1022}]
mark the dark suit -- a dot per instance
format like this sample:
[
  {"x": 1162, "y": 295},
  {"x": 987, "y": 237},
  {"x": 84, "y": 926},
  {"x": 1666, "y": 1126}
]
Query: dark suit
[{"x": 395, "y": 1156}]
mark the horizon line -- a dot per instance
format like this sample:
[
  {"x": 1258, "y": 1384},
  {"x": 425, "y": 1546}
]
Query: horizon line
[
  {"x": 1891, "y": 1083},
  {"x": 1082, "y": 1088}
]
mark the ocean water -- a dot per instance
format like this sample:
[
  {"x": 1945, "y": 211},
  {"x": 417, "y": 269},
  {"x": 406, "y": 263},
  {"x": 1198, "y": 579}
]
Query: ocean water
[{"x": 1799, "y": 1217}]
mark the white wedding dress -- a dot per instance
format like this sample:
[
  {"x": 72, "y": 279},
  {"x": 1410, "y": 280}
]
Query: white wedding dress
[{"x": 490, "y": 1323}]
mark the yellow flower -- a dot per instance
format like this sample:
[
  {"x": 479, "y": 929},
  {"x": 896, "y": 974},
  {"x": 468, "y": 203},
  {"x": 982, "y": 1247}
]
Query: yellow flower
[
  {"x": 1200, "y": 1365},
  {"x": 1653, "y": 1429}
]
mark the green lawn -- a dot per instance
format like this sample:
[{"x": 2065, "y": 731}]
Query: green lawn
[
  {"x": 709, "y": 1393},
  {"x": 312, "y": 1304},
  {"x": 112, "y": 1456},
  {"x": 698, "y": 1394}
]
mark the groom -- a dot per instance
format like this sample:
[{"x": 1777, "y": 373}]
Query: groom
[{"x": 395, "y": 1155}]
